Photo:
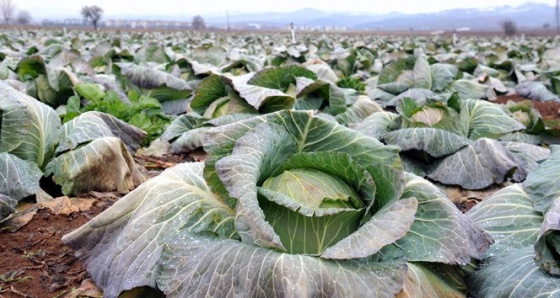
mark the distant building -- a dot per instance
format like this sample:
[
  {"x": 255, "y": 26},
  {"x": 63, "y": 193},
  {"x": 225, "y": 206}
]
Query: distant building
[
  {"x": 320, "y": 28},
  {"x": 121, "y": 24},
  {"x": 254, "y": 26},
  {"x": 144, "y": 24},
  {"x": 66, "y": 23}
]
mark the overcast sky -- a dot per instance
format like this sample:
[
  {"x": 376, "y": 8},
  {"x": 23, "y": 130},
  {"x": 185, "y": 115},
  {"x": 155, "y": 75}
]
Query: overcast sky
[{"x": 40, "y": 9}]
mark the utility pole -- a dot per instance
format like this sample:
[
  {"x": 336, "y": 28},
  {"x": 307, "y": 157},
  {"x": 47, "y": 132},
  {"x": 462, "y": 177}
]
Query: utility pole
[
  {"x": 557, "y": 16},
  {"x": 293, "y": 33},
  {"x": 227, "y": 19}
]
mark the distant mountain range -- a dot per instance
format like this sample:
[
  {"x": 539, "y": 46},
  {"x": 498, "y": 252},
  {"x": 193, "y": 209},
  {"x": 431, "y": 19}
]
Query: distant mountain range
[{"x": 526, "y": 16}]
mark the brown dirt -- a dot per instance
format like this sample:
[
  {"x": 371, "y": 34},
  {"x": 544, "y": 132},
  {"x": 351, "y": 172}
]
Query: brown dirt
[{"x": 35, "y": 263}]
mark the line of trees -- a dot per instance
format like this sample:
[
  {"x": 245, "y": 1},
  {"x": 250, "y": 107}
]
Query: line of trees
[{"x": 92, "y": 14}]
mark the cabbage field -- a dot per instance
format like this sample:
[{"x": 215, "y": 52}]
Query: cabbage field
[{"x": 185, "y": 164}]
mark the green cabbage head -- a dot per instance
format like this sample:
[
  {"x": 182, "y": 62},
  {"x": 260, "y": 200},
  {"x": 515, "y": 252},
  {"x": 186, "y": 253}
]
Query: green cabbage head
[{"x": 287, "y": 204}]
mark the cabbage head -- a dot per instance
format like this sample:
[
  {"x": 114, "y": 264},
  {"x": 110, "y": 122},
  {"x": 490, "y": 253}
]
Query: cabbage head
[{"x": 287, "y": 204}]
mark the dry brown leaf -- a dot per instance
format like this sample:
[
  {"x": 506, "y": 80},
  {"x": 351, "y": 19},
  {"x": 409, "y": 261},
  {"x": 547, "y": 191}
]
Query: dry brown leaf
[
  {"x": 65, "y": 205},
  {"x": 42, "y": 196},
  {"x": 458, "y": 195},
  {"x": 23, "y": 215},
  {"x": 86, "y": 289},
  {"x": 314, "y": 61},
  {"x": 157, "y": 148}
]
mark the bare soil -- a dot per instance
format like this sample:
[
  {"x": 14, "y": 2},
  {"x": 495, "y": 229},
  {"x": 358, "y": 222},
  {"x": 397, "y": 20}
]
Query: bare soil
[
  {"x": 35, "y": 263},
  {"x": 549, "y": 110}
]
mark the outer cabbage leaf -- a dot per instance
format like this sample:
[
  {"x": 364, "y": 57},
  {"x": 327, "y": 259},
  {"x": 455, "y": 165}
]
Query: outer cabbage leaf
[
  {"x": 214, "y": 96},
  {"x": 414, "y": 165},
  {"x": 522, "y": 137},
  {"x": 527, "y": 157},
  {"x": 548, "y": 244},
  {"x": 280, "y": 78},
  {"x": 513, "y": 274},
  {"x": 181, "y": 125},
  {"x": 381, "y": 96},
  {"x": 418, "y": 95},
  {"x": 151, "y": 52},
  {"x": 263, "y": 99},
  {"x": 29, "y": 129},
  {"x": 207, "y": 91},
  {"x": 316, "y": 92},
  {"x": 122, "y": 246},
  {"x": 435, "y": 280},
  {"x": 161, "y": 85},
  {"x": 187, "y": 132},
  {"x": 228, "y": 119},
  {"x": 476, "y": 166},
  {"x": 189, "y": 141},
  {"x": 536, "y": 91},
  {"x": 215, "y": 55},
  {"x": 198, "y": 267},
  {"x": 7, "y": 206},
  {"x": 92, "y": 125},
  {"x": 358, "y": 111},
  {"x": 323, "y": 72},
  {"x": 403, "y": 83},
  {"x": 104, "y": 164},
  {"x": 486, "y": 119},
  {"x": 150, "y": 78},
  {"x": 243, "y": 63},
  {"x": 251, "y": 162},
  {"x": 542, "y": 184},
  {"x": 348, "y": 107},
  {"x": 391, "y": 72},
  {"x": 436, "y": 142},
  {"x": 378, "y": 124},
  {"x": 203, "y": 69},
  {"x": 508, "y": 216},
  {"x": 442, "y": 75},
  {"x": 422, "y": 73},
  {"x": 438, "y": 227},
  {"x": 18, "y": 179},
  {"x": 468, "y": 89},
  {"x": 385, "y": 227}
]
